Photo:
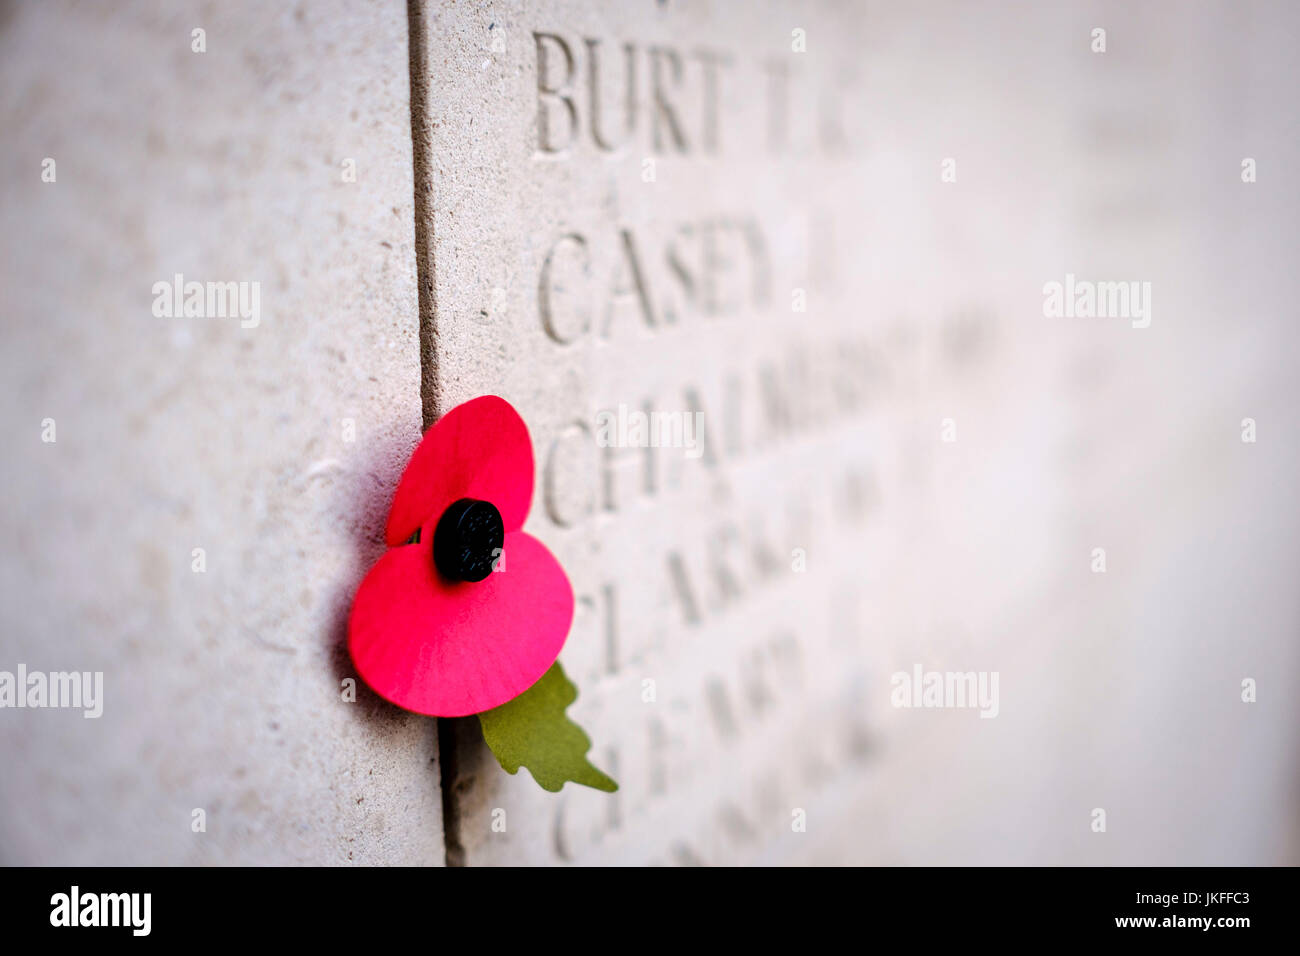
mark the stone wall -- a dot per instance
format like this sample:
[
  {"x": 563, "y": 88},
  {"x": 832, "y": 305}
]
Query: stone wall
[
  {"x": 830, "y": 231},
  {"x": 222, "y": 689}
]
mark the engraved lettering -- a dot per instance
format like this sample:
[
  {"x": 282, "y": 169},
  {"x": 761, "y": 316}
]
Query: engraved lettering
[
  {"x": 712, "y": 64},
  {"x": 665, "y": 113},
  {"x": 550, "y": 95},
  {"x": 629, "y": 283},
  {"x": 679, "y": 579},
  {"x": 570, "y": 459},
  {"x": 564, "y": 325},
  {"x": 629, "y": 96}
]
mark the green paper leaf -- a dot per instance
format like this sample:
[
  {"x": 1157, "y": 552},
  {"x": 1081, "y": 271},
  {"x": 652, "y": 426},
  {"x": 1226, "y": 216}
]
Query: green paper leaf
[{"x": 532, "y": 731}]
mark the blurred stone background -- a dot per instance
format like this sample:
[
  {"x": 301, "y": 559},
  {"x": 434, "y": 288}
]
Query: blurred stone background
[{"x": 826, "y": 227}]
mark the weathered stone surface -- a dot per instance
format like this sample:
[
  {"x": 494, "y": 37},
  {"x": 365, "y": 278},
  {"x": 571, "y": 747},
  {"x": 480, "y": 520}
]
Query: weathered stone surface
[
  {"x": 571, "y": 280},
  {"x": 222, "y": 689}
]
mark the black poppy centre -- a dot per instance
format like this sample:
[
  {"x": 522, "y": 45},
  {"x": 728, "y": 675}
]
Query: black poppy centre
[{"x": 468, "y": 540}]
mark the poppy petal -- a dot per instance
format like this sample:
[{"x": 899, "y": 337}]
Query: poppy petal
[
  {"x": 450, "y": 649},
  {"x": 479, "y": 449}
]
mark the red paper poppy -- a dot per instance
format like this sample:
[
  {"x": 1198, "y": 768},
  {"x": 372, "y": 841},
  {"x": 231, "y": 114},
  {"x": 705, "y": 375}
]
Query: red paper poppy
[{"x": 445, "y": 647}]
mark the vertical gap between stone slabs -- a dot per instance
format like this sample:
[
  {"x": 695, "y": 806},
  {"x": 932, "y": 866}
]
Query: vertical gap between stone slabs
[
  {"x": 422, "y": 154},
  {"x": 430, "y": 398}
]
